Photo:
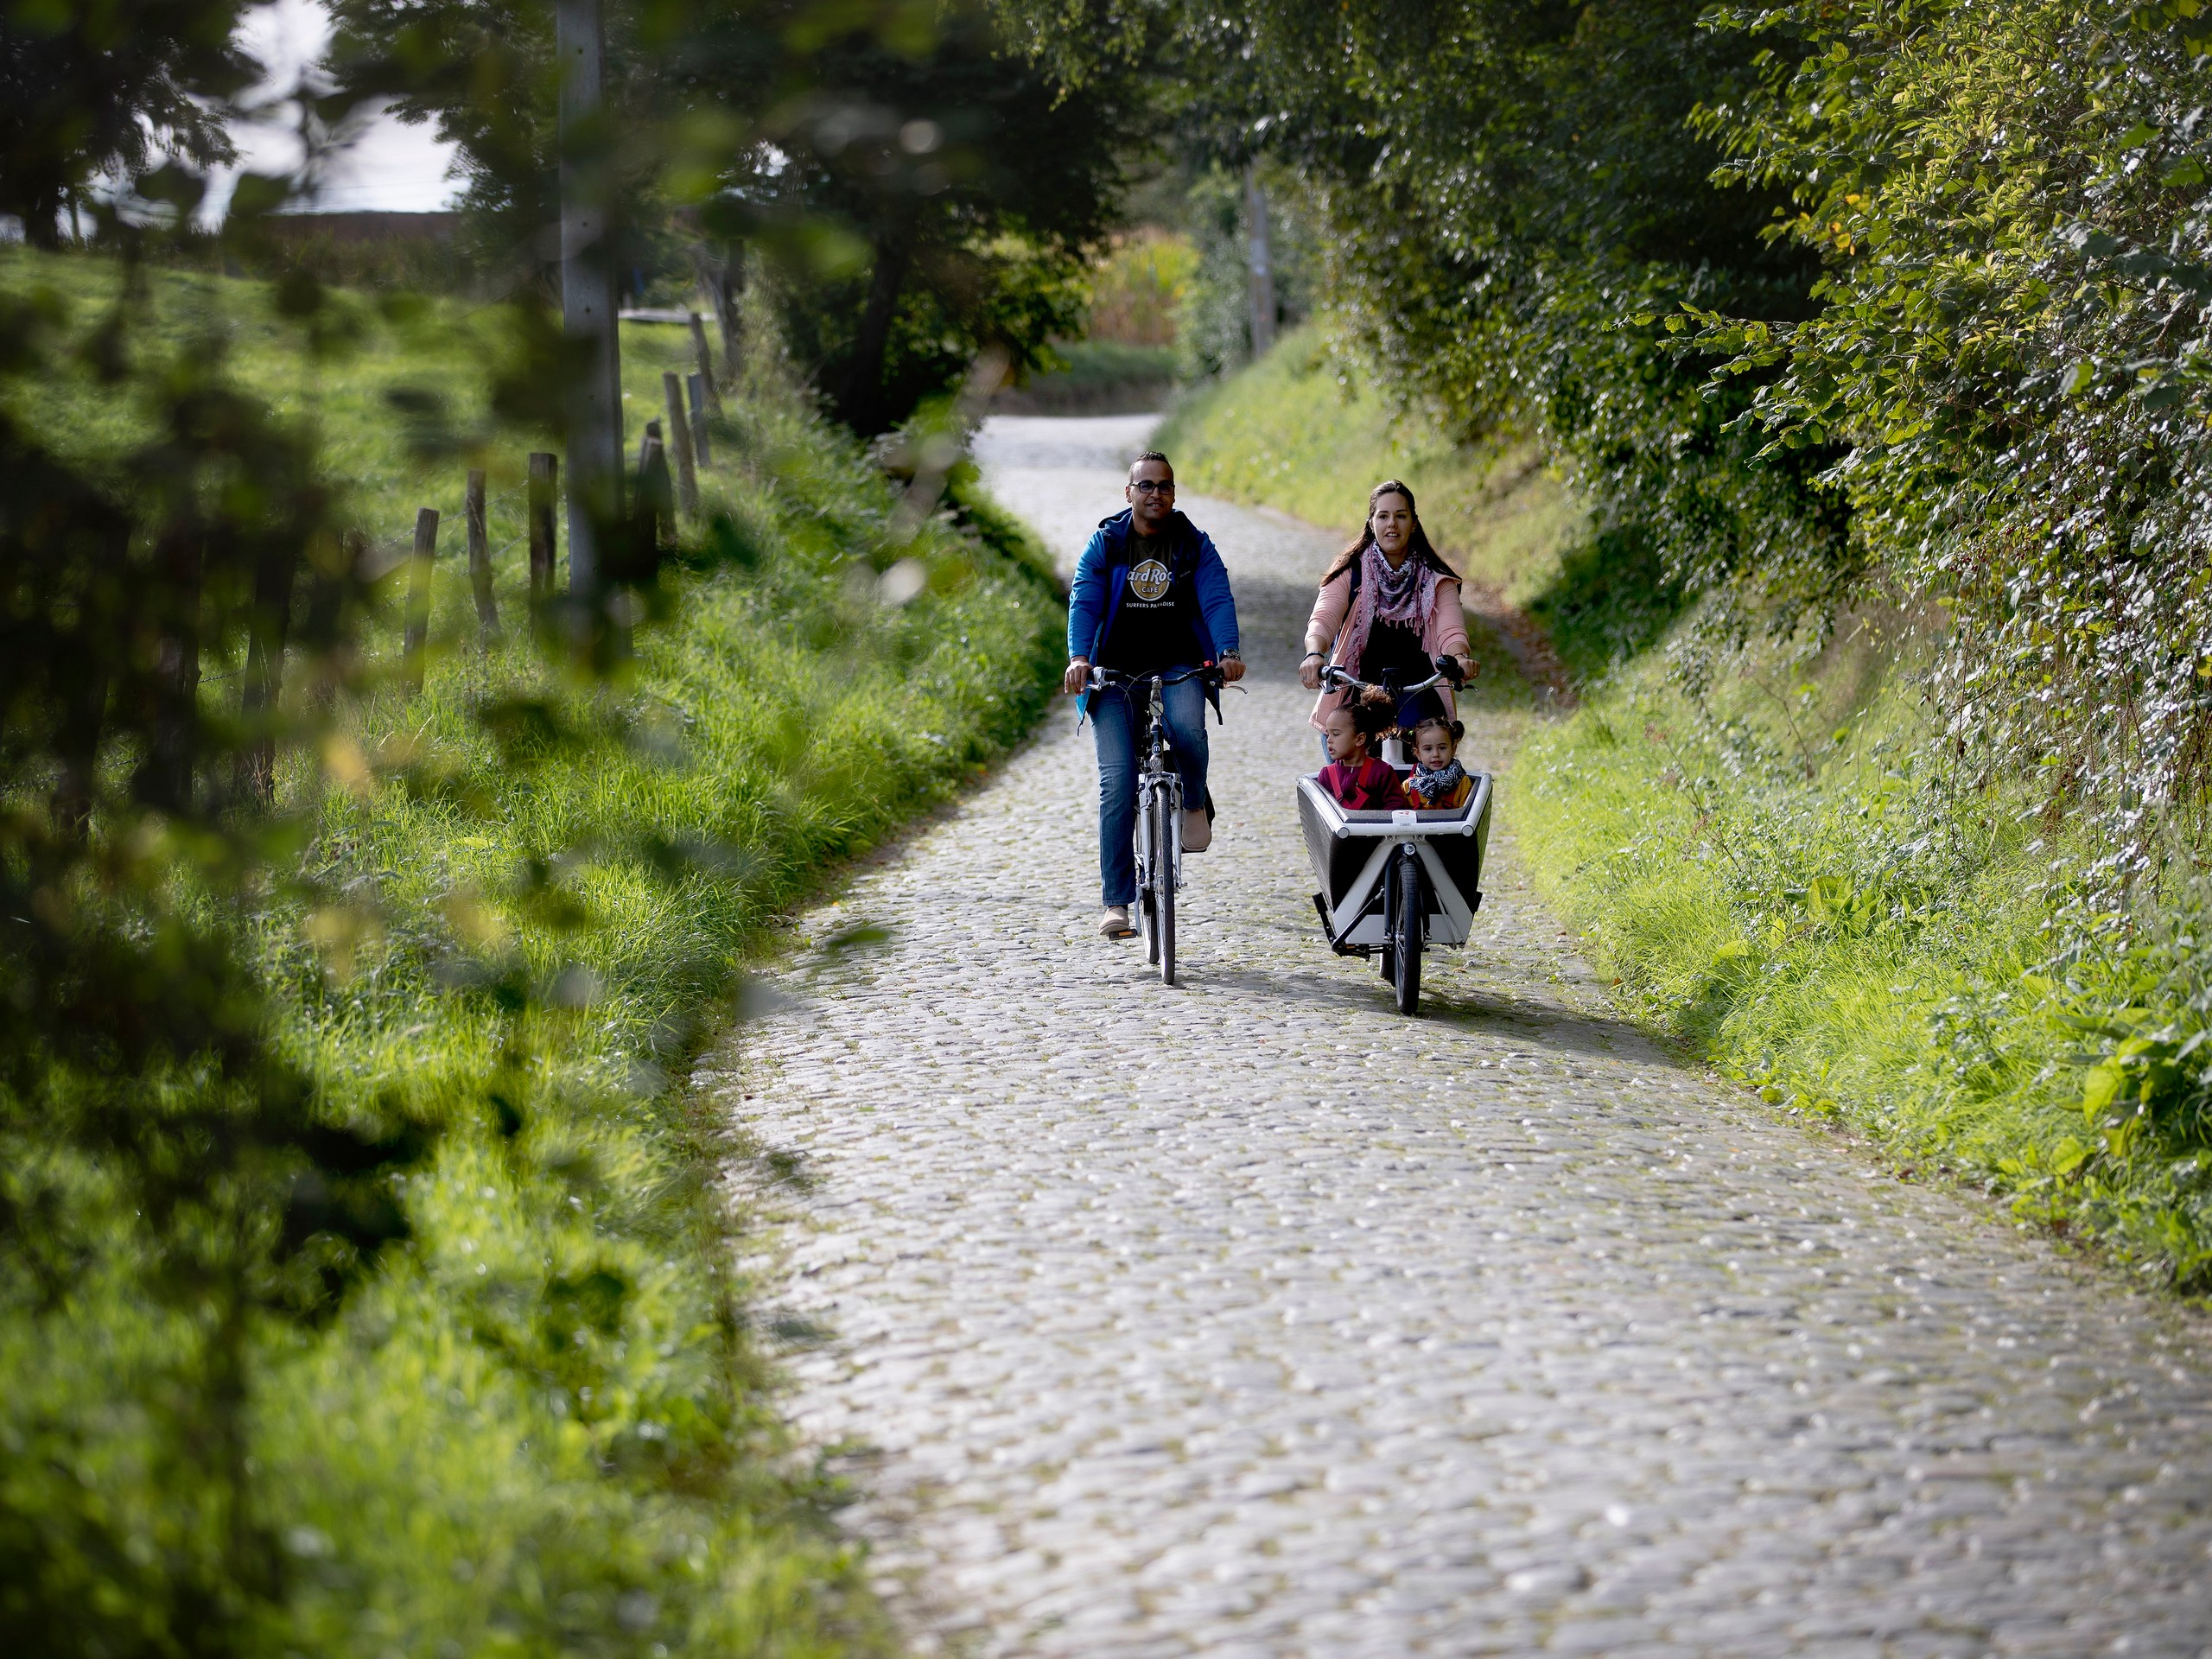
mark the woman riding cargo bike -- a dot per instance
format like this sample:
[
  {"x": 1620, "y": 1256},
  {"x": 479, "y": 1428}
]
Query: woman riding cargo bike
[{"x": 1397, "y": 873}]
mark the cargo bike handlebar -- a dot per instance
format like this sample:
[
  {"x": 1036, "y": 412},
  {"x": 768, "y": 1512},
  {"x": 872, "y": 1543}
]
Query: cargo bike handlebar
[{"x": 1447, "y": 673}]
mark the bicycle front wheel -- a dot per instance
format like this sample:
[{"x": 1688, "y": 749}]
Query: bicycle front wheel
[
  {"x": 1168, "y": 822},
  {"x": 1409, "y": 926},
  {"x": 1147, "y": 872}
]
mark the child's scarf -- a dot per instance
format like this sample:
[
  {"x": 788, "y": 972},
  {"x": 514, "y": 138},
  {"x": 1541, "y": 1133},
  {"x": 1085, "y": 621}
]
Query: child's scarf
[{"x": 1425, "y": 785}]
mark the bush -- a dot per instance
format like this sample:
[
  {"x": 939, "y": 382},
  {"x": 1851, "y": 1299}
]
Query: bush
[{"x": 2010, "y": 202}]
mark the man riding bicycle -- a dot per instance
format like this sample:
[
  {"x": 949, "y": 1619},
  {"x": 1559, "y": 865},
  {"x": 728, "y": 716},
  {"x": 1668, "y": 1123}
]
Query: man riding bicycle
[{"x": 1151, "y": 596}]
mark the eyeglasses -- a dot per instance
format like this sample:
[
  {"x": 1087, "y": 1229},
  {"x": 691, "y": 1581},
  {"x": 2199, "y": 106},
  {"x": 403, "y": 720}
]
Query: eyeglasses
[{"x": 1152, "y": 486}]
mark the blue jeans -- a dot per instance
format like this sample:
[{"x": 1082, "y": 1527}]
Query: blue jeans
[{"x": 1118, "y": 718}]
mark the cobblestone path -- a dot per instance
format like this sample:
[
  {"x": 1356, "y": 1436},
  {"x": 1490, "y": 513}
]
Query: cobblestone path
[{"x": 1248, "y": 1318}]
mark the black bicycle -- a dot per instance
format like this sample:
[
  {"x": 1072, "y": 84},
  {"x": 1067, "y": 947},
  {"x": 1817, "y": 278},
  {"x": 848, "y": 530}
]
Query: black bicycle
[{"x": 1159, "y": 813}]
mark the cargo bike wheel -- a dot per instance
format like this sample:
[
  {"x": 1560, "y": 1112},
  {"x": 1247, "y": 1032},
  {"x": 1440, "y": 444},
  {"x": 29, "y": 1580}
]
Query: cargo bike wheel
[{"x": 1405, "y": 927}]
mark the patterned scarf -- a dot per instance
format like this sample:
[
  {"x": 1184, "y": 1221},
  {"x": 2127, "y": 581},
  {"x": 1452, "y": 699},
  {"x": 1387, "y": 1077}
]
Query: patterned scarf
[
  {"x": 1405, "y": 595},
  {"x": 1436, "y": 785}
]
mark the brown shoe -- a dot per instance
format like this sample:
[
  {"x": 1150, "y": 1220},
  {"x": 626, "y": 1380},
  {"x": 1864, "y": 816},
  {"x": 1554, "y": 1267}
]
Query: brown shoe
[
  {"x": 1198, "y": 830},
  {"x": 1115, "y": 924}
]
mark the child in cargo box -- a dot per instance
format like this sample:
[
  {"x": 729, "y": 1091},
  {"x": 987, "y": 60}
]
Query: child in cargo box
[
  {"x": 1438, "y": 780},
  {"x": 1356, "y": 780}
]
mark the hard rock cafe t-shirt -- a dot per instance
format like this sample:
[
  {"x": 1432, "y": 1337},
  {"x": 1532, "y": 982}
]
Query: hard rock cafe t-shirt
[{"x": 1151, "y": 630}]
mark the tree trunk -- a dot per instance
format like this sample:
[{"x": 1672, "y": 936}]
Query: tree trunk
[
  {"x": 721, "y": 278},
  {"x": 1260, "y": 252},
  {"x": 859, "y": 399},
  {"x": 164, "y": 779},
  {"x": 41, "y": 216},
  {"x": 81, "y": 678},
  {"x": 328, "y": 657}
]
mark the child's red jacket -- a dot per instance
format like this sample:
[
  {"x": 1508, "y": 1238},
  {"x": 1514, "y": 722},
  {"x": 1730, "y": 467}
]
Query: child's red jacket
[{"x": 1374, "y": 788}]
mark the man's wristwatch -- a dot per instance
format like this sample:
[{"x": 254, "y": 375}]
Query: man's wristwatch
[{"x": 1232, "y": 656}]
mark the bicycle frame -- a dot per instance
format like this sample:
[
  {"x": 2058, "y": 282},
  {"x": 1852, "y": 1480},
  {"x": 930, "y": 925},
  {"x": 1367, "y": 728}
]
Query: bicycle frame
[
  {"x": 1158, "y": 828},
  {"x": 1157, "y": 777},
  {"x": 1155, "y": 771}
]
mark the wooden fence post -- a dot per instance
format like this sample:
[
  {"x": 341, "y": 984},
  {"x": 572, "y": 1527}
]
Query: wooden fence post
[
  {"x": 655, "y": 513},
  {"x": 679, "y": 441},
  {"x": 255, "y": 770},
  {"x": 544, "y": 491},
  {"x": 706, "y": 375},
  {"x": 479, "y": 560},
  {"x": 418, "y": 597},
  {"x": 700, "y": 446},
  {"x": 329, "y": 662}
]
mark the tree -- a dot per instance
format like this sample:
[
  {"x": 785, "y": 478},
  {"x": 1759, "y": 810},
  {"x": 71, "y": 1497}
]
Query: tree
[
  {"x": 979, "y": 186},
  {"x": 923, "y": 194},
  {"x": 1517, "y": 189},
  {"x": 91, "y": 91}
]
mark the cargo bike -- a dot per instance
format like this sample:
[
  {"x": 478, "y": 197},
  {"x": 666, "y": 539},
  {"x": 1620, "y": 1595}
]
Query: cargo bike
[{"x": 1394, "y": 883}]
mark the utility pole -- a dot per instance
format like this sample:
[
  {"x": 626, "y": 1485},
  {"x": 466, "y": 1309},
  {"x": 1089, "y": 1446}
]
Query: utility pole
[
  {"x": 1262, "y": 262},
  {"x": 587, "y": 307}
]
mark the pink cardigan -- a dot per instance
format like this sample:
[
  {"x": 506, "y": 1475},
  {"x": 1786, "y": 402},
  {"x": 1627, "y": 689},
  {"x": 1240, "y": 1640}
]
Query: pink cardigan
[{"x": 1443, "y": 633}]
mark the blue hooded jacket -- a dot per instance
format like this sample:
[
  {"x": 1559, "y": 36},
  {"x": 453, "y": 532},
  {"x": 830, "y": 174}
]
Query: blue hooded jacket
[{"x": 1102, "y": 578}]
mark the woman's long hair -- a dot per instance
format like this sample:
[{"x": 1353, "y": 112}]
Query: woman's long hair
[{"x": 1418, "y": 544}]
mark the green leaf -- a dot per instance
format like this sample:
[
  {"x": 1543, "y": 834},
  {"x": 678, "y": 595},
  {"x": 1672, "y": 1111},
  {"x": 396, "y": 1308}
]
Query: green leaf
[
  {"x": 2137, "y": 135},
  {"x": 2068, "y": 1156},
  {"x": 2079, "y": 379},
  {"x": 2101, "y": 1087},
  {"x": 1829, "y": 896},
  {"x": 2185, "y": 175}
]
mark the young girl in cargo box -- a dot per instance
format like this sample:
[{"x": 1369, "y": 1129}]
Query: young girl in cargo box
[{"x": 1359, "y": 782}]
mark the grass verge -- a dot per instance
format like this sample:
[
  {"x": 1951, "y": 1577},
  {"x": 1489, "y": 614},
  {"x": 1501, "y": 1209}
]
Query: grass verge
[
  {"x": 543, "y": 1426},
  {"x": 1300, "y": 432},
  {"x": 1097, "y": 377},
  {"x": 1787, "y": 877}
]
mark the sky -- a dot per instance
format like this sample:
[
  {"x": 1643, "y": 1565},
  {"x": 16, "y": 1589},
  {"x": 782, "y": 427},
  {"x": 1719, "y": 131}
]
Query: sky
[{"x": 386, "y": 166}]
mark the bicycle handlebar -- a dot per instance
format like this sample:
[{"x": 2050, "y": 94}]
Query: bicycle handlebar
[
  {"x": 1333, "y": 677},
  {"x": 1111, "y": 677}
]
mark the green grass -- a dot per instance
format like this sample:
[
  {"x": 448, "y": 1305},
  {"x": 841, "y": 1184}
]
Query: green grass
[
  {"x": 1783, "y": 876},
  {"x": 1097, "y": 377},
  {"x": 543, "y": 1425}
]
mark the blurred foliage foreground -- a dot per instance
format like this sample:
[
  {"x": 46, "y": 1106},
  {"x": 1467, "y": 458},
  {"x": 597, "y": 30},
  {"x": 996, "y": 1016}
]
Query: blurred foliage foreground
[{"x": 367, "y": 1283}]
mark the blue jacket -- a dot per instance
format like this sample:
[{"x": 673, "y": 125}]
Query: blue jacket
[{"x": 1102, "y": 577}]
